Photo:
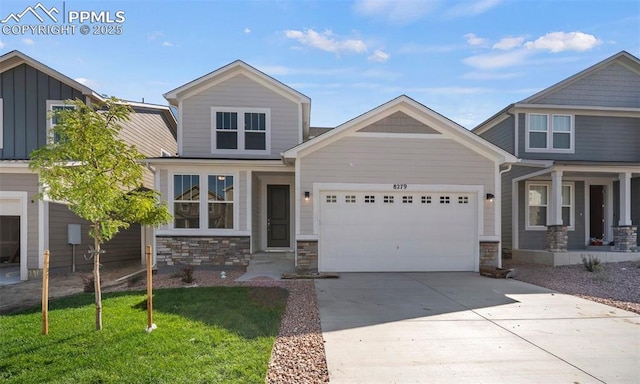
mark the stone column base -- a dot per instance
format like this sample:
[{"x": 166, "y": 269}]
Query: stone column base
[
  {"x": 557, "y": 238},
  {"x": 307, "y": 256},
  {"x": 489, "y": 253},
  {"x": 625, "y": 238}
]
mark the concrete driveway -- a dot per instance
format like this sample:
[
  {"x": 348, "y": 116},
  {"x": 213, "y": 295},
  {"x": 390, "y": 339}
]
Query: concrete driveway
[{"x": 464, "y": 328}]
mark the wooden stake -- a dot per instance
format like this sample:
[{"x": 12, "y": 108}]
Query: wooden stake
[
  {"x": 45, "y": 294},
  {"x": 149, "y": 290}
]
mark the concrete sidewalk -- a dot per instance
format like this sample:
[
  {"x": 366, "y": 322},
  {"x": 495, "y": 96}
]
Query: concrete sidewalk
[{"x": 463, "y": 328}]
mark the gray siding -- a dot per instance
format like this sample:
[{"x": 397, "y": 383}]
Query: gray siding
[
  {"x": 537, "y": 239},
  {"x": 399, "y": 122},
  {"x": 635, "y": 203},
  {"x": 507, "y": 202},
  {"x": 380, "y": 161},
  {"x": 25, "y": 91},
  {"x": 124, "y": 247},
  {"x": 502, "y": 134},
  {"x": 240, "y": 92},
  {"x": 26, "y": 182},
  {"x": 612, "y": 86},
  {"x": 597, "y": 138}
]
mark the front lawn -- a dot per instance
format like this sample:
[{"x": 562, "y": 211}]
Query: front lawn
[{"x": 204, "y": 335}]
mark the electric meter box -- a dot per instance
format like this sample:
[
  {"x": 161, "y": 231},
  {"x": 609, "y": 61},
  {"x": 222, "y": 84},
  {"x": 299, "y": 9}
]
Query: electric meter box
[{"x": 73, "y": 233}]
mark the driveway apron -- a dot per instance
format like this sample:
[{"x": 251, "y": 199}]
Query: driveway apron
[{"x": 459, "y": 327}]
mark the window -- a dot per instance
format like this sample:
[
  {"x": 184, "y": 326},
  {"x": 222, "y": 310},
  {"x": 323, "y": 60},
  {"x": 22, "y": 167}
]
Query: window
[
  {"x": 332, "y": 199},
  {"x": 426, "y": 199},
  {"x": 388, "y": 199},
  {"x": 463, "y": 200},
  {"x": 538, "y": 205},
  {"x": 369, "y": 199},
  {"x": 549, "y": 133},
  {"x": 220, "y": 201},
  {"x": 54, "y": 106},
  {"x": 444, "y": 200},
  {"x": 350, "y": 199},
  {"x": 240, "y": 129},
  {"x": 186, "y": 201},
  {"x": 407, "y": 199}
]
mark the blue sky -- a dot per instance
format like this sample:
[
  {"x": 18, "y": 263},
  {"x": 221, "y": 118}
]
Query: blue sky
[{"x": 464, "y": 59}]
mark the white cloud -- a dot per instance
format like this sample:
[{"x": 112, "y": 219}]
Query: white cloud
[
  {"x": 472, "y": 8},
  {"x": 419, "y": 48},
  {"x": 154, "y": 35},
  {"x": 379, "y": 56},
  {"x": 87, "y": 82},
  {"x": 28, "y": 41},
  {"x": 1, "y": 45},
  {"x": 564, "y": 41},
  {"x": 454, "y": 90},
  {"x": 476, "y": 41},
  {"x": 167, "y": 44},
  {"x": 326, "y": 41},
  {"x": 507, "y": 43},
  {"x": 497, "y": 60},
  {"x": 484, "y": 75},
  {"x": 247, "y": 30},
  {"x": 393, "y": 11}
]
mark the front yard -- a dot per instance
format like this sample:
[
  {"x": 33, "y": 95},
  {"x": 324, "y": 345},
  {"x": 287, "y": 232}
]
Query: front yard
[{"x": 209, "y": 334}]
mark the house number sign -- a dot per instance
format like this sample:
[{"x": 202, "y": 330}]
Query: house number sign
[{"x": 399, "y": 186}]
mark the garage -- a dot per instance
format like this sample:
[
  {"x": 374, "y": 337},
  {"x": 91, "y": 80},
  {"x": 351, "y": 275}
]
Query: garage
[{"x": 370, "y": 231}]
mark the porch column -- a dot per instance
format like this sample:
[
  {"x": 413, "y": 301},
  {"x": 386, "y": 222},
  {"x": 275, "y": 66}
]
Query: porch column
[
  {"x": 625, "y": 198},
  {"x": 557, "y": 236},
  {"x": 625, "y": 235}
]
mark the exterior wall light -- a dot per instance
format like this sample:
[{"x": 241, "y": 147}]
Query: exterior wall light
[
  {"x": 490, "y": 197},
  {"x": 307, "y": 195}
]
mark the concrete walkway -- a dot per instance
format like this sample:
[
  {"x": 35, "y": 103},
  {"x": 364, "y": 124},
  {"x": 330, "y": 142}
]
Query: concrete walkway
[
  {"x": 269, "y": 266},
  {"x": 463, "y": 328}
]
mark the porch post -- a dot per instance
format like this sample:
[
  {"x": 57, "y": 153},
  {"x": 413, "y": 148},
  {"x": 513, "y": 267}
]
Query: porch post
[
  {"x": 625, "y": 198},
  {"x": 557, "y": 236}
]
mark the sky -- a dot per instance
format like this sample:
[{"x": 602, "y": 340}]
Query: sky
[{"x": 464, "y": 59}]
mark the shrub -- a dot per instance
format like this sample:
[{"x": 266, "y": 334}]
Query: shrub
[
  {"x": 187, "y": 274},
  {"x": 88, "y": 284},
  {"x": 592, "y": 263}
]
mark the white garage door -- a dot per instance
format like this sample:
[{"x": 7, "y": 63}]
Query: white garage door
[{"x": 397, "y": 231}]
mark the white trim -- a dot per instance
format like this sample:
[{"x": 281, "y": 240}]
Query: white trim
[
  {"x": 581, "y": 110},
  {"x": 549, "y": 132},
  {"x": 515, "y": 216},
  {"x": 516, "y": 135},
  {"x": 624, "y": 180},
  {"x": 24, "y": 218},
  {"x": 278, "y": 180},
  {"x": 608, "y": 207},
  {"x": 180, "y": 128},
  {"x": 1, "y": 123},
  {"x": 50, "y": 105},
  {"x": 547, "y": 184},
  {"x": 300, "y": 237},
  {"x": 249, "y": 223},
  {"x": 489, "y": 238},
  {"x": 240, "y": 131},
  {"x": 491, "y": 123},
  {"x": 297, "y": 177},
  {"x": 201, "y": 232},
  {"x": 391, "y": 135}
]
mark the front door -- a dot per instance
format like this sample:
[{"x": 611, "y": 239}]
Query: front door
[
  {"x": 278, "y": 222},
  {"x": 596, "y": 211}
]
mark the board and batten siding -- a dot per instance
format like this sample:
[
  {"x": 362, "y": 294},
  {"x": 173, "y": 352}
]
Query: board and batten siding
[
  {"x": 238, "y": 92},
  {"x": 26, "y": 182},
  {"x": 24, "y": 92},
  {"x": 597, "y": 138},
  {"x": 389, "y": 161},
  {"x": 612, "y": 86},
  {"x": 502, "y": 134},
  {"x": 124, "y": 247}
]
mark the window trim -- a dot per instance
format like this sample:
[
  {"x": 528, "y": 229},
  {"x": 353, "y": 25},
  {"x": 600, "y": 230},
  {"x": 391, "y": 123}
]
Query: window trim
[
  {"x": 204, "y": 204},
  {"x": 572, "y": 216},
  {"x": 50, "y": 125},
  {"x": 241, "y": 131},
  {"x": 549, "y": 132}
]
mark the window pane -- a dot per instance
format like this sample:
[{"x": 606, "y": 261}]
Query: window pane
[
  {"x": 537, "y": 195},
  {"x": 561, "y": 140},
  {"x": 254, "y": 140},
  {"x": 186, "y": 187},
  {"x": 220, "y": 188},
  {"x": 566, "y": 196},
  {"x": 186, "y": 215},
  {"x": 221, "y": 215},
  {"x": 538, "y": 123},
  {"x": 226, "y": 140},
  {"x": 226, "y": 120},
  {"x": 562, "y": 123},
  {"x": 566, "y": 216},
  {"x": 537, "y": 216},
  {"x": 537, "y": 140},
  {"x": 254, "y": 121}
]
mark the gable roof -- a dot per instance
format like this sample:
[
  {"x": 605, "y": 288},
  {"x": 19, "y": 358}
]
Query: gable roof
[
  {"x": 622, "y": 57},
  {"x": 415, "y": 110}
]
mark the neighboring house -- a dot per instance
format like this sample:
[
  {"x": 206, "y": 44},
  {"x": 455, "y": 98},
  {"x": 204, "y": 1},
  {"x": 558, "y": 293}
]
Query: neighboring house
[
  {"x": 577, "y": 185},
  {"x": 29, "y": 91},
  {"x": 399, "y": 188}
]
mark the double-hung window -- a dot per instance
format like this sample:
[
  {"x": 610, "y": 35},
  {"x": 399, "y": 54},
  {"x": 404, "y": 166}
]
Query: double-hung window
[
  {"x": 538, "y": 205},
  {"x": 54, "y": 108},
  {"x": 240, "y": 130},
  {"x": 549, "y": 133}
]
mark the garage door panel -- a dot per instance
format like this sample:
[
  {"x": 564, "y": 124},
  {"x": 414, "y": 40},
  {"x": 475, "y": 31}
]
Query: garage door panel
[{"x": 399, "y": 231}]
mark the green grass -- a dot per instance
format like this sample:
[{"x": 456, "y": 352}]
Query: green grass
[{"x": 204, "y": 335}]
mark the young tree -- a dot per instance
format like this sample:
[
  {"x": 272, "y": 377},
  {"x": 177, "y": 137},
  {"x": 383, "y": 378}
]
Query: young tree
[{"x": 97, "y": 174}]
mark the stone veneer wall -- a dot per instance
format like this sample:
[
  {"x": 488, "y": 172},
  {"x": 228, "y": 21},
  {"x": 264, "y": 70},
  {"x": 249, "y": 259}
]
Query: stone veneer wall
[
  {"x": 202, "y": 250},
  {"x": 489, "y": 253},
  {"x": 557, "y": 238},
  {"x": 625, "y": 238},
  {"x": 307, "y": 257}
]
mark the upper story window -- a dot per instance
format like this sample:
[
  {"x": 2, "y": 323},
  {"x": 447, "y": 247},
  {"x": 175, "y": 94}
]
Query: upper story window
[
  {"x": 549, "y": 133},
  {"x": 53, "y": 107},
  {"x": 240, "y": 130}
]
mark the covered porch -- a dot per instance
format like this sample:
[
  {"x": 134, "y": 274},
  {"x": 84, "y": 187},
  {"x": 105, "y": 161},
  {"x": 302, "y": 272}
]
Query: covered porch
[{"x": 570, "y": 210}]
